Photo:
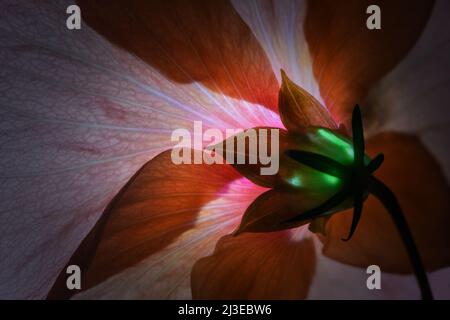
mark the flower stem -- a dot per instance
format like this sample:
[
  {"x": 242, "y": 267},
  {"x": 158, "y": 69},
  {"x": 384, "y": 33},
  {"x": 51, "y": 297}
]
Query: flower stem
[{"x": 388, "y": 199}]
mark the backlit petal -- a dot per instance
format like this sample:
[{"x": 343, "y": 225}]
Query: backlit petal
[
  {"x": 256, "y": 266},
  {"x": 190, "y": 41},
  {"x": 160, "y": 203},
  {"x": 279, "y": 27},
  {"x": 79, "y": 117},
  {"x": 168, "y": 217}
]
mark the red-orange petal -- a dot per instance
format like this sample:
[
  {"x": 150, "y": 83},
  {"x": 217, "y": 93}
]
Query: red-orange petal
[
  {"x": 158, "y": 205},
  {"x": 190, "y": 41},
  {"x": 417, "y": 180},
  {"x": 256, "y": 266},
  {"x": 348, "y": 58}
]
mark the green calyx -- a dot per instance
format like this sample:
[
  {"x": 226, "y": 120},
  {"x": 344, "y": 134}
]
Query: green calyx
[
  {"x": 357, "y": 181},
  {"x": 353, "y": 171}
]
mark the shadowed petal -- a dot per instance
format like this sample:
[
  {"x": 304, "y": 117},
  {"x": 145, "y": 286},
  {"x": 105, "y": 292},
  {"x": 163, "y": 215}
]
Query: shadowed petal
[
  {"x": 347, "y": 57},
  {"x": 413, "y": 98},
  {"x": 190, "y": 41},
  {"x": 417, "y": 181},
  {"x": 256, "y": 266}
]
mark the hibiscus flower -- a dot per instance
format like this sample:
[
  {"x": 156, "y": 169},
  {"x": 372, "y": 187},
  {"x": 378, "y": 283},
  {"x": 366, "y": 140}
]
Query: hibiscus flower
[{"x": 87, "y": 176}]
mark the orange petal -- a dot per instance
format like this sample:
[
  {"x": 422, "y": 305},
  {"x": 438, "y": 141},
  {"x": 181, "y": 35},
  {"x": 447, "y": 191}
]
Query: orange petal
[
  {"x": 348, "y": 57},
  {"x": 158, "y": 205},
  {"x": 166, "y": 273},
  {"x": 255, "y": 266},
  {"x": 299, "y": 110},
  {"x": 417, "y": 180},
  {"x": 201, "y": 41}
]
